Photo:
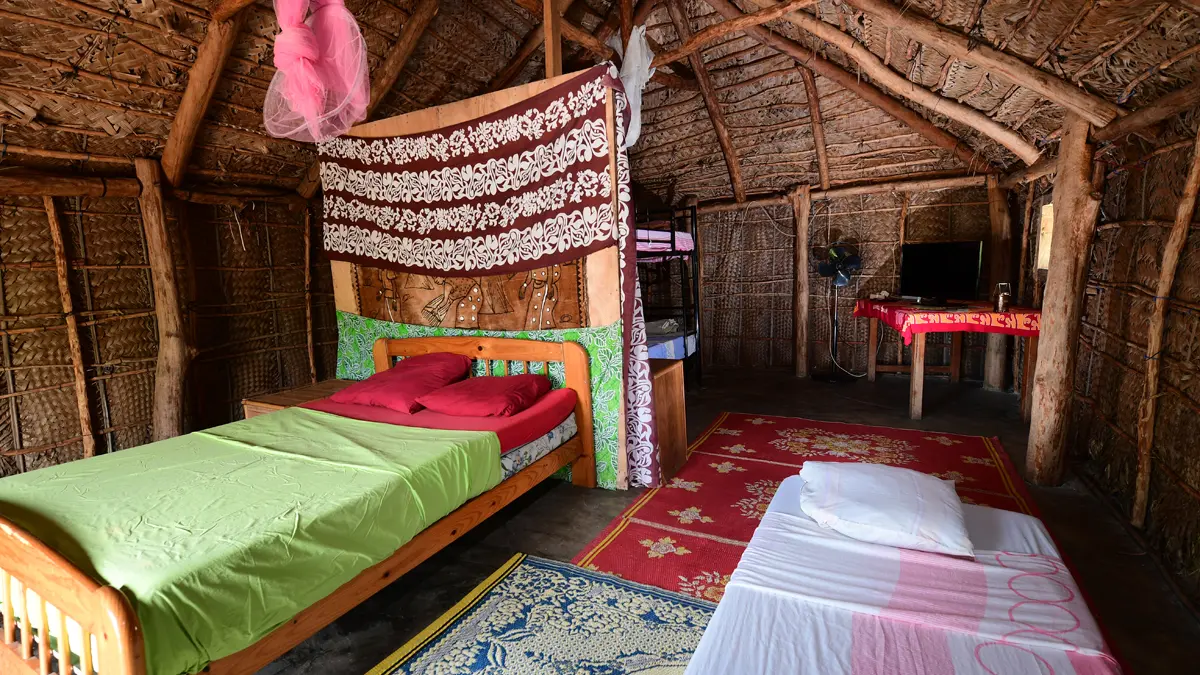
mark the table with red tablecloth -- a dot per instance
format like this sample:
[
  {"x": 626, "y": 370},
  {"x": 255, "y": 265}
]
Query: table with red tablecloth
[{"x": 913, "y": 321}]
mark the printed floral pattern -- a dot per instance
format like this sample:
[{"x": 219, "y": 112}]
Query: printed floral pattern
[
  {"x": 873, "y": 448},
  {"x": 956, "y": 476},
  {"x": 738, "y": 449},
  {"x": 761, "y": 493},
  {"x": 690, "y": 515},
  {"x": 759, "y": 420},
  {"x": 706, "y": 585},
  {"x": 689, "y": 485},
  {"x": 726, "y": 467},
  {"x": 729, "y": 432},
  {"x": 983, "y": 461},
  {"x": 518, "y": 458},
  {"x": 944, "y": 440},
  {"x": 662, "y": 548}
]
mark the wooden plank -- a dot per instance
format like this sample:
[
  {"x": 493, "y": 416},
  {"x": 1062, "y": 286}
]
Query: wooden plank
[
  {"x": 951, "y": 43},
  {"x": 1148, "y": 410},
  {"x": 383, "y": 77},
  {"x": 62, "y": 272},
  {"x": 670, "y": 414},
  {"x": 203, "y": 77},
  {"x": 1027, "y": 377},
  {"x": 1000, "y": 267},
  {"x": 818, "y": 127},
  {"x": 872, "y": 348},
  {"x": 916, "y": 384},
  {"x": 299, "y": 395},
  {"x": 172, "y": 347},
  {"x": 801, "y": 208},
  {"x": 901, "y": 86},
  {"x": 1076, "y": 205},
  {"x": 552, "y": 28},
  {"x": 708, "y": 91}
]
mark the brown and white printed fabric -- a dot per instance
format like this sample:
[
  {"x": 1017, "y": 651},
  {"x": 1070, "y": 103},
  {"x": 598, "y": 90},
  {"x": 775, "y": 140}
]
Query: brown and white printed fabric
[{"x": 522, "y": 188}]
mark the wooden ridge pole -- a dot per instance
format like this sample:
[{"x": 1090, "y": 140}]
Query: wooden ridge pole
[
  {"x": 384, "y": 77},
  {"x": 902, "y": 86},
  {"x": 172, "y": 359},
  {"x": 1076, "y": 99},
  {"x": 1076, "y": 205},
  {"x": 684, "y": 30},
  {"x": 801, "y": 209},
  {"x": 552, "y": 27},
  {"x": 818, "y": 128},
  {"x": 203, "y": 77},
  {"x": 1000, "y": 256},
  {"x": 1148, "y": 410},
  {"x": 806, "y": 58},
  {"x": 62, "y": 272}
]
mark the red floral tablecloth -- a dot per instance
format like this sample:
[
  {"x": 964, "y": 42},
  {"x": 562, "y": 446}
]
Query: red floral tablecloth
[{"x": 911, "y": 319}]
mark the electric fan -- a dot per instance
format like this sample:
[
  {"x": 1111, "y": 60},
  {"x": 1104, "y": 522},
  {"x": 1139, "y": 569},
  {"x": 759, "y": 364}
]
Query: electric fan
[{"x": 841, "y": 263}]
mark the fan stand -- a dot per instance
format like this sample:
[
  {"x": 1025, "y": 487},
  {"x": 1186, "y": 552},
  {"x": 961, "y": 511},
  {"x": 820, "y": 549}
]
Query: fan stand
[{"x": 835, "y": 375}]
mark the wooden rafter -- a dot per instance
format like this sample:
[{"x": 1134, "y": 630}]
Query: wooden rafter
[
  {"x": 552, "y": 29},
  {"x": 1155, "y": 329},
  {"x": 1168, "y": 106},
  {"x": 891, "y": 185},
  {"x": 202, "y": 84},
  {"x": 807, "y": 58},
  {"x": 709, "y": 93},
  {"x": 1092, "y": 108},
  {"x": 818, "y": 128},
  {"x": 223, "y": 10},
  {"x": 530, "y": 45},
  {"x": 902, "y": 86},
  {"x": 625, "y": 14},
  {"x": 720, "y": 30},
  {"x": 384, "y": 77}
]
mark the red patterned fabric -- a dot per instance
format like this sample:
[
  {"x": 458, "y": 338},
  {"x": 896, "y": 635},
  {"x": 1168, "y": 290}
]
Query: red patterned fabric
[
  {"x": 399, "y": 387},
  {"x": 688, "y": 535},
  {"x": 911, "y": 319},
  {"x": 488, "y": 396}
]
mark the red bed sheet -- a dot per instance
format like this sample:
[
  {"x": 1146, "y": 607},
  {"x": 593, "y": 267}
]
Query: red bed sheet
[{"x": 528, "y": 425}]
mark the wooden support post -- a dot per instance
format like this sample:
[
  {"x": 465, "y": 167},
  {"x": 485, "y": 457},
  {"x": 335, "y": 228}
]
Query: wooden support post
[
  {"x": 1076, "y": 205},
  {"x": 202, "y": 84},
  {"x": 916, "y": 384},
  {"x": 801, "y": 208},
  {"x": 62, "y": 271},
  {"x": 625, "y": 9},
  {"x": 167, "y": 415},
  {"x": 308, "y": 306},
  {"x": 1148, "y": 410},
  {"x": 818, "y": 128},
  {"x": 1031, "y": 350},
  {"x": 956, "y": 339},
  {"x": 709, "y": 92},
  {"x": 872, "y": 347},
  {"x": 1000, "y": 255},
  {"x": 553, "y": 30}
]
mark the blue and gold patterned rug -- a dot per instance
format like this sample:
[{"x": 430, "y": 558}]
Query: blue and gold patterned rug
[{"x": 536, "y": 616}]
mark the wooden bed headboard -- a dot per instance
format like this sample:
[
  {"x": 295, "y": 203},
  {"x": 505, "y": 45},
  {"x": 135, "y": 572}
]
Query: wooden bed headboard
[{"x": 504, "y": 352}]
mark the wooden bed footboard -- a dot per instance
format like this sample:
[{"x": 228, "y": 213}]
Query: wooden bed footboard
[{"x": 96, "y": 629}]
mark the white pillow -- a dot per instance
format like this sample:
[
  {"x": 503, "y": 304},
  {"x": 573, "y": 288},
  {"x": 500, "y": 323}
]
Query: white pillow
[{"x": 885, "y": 505}]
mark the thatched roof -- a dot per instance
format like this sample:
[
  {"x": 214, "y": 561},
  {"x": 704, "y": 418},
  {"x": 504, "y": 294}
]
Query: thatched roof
[{"x": 87, "y": 84}]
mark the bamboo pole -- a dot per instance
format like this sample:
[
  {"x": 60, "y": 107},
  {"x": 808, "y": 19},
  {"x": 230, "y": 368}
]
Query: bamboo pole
[
  {"x": 1148, "y": 410},
  {"x": 818, "y": 128},
  {"x": 308, "y": 304},
  {"x": 62, "y": 272},
  {"x": 172, "y": 345},
  {"x": 1000, "y": 267},
  {"x": 1077, "y": 203},
  {"x": 801, "y": 209}
]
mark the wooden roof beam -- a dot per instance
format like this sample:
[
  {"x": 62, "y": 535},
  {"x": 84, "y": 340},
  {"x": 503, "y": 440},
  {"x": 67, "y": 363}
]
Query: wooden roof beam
[
  {"x": 529, "y": 46},
  {"x": 818, "y": 128},
  {"x": 1092, "y": 108},
  {"x": 224, "y": 10},
  {"x": 889, "y": 185},
  {"x": 902, "y": 86},
  {"x": 720, "y": 30},
  {"x": 806, "y": 58},
  {"x": 709, "y": 93},
  {"x": 203, "y": 77},
  {"x": 384, "y": 77}
]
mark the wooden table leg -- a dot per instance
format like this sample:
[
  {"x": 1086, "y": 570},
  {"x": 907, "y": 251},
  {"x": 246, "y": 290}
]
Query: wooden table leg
[
  {"x": 872, "y": 348},
  {"x": 916, "y": 386},
  {"x": 955, "y": 357},
  {"x": 1030, "y": 370}
]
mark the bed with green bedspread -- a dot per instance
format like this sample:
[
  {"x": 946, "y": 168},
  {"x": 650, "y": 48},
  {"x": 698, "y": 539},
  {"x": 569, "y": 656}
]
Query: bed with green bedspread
[{"x": 220, "y": 536}]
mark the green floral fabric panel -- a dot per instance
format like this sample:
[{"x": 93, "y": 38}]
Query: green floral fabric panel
[{"x": 357, "y": 335}]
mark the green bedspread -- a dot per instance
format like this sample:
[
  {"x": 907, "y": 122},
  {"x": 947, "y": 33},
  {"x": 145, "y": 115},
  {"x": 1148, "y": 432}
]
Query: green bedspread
[{"x": 220, "y": 536}]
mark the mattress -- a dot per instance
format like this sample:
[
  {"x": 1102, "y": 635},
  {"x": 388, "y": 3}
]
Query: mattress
[
  {"x": 525, "y": 427},
  {"x": 671, "y": 346},
  {"x": 516, "y": 459},
  {"x": 769, "y": 621},
  {"x": 660, "y": 240}
]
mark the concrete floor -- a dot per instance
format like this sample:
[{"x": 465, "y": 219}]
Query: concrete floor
[{"x": 1148, "y": 625}]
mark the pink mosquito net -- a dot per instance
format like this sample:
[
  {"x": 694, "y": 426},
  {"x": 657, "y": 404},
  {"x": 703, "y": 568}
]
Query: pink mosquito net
[{"x": 321, "y": 87}]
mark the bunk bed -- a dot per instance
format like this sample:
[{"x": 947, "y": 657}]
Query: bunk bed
[{"x": 669, "y": 269}]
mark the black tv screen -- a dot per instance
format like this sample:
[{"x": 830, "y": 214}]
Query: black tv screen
[{"x": 947, "y": 270}]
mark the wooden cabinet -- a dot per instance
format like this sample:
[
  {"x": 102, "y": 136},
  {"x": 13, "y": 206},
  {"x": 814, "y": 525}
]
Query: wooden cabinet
[
  {"x": 670, "y": 414},
  {"x": 261, "y": 405}
]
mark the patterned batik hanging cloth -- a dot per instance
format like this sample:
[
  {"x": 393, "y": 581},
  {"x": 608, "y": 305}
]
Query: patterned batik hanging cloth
[{"x": 321, "y": 87}]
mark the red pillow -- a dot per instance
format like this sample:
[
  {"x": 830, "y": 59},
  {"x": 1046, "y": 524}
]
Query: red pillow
[
  {"x": 487, "y": 396},
  {"x": 399, "y": 387}
]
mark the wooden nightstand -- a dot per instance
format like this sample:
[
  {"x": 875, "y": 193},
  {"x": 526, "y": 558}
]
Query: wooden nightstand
[
  {"x": 670, "y": 414},
  {"x": 265, "y": 403}
]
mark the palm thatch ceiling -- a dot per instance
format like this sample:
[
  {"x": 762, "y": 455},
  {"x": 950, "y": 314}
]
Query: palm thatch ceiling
[{"x": 86, "y": 85}]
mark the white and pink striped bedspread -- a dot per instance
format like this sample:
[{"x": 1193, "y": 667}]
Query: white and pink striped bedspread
[{"x": 807, "y": 600}]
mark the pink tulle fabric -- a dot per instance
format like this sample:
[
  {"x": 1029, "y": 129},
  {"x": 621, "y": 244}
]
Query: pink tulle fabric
[{"x": 321, "y": 87}]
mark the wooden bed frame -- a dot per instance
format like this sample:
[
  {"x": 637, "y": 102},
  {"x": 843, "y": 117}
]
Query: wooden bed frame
[{"x": 104, "y": 614}]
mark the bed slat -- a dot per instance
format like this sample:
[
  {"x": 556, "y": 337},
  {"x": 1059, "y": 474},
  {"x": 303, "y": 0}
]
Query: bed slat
[
  {"x": 64, "y": 645},
  {"x": 43, "y": 636},
  {"x": 85, "y": 659},
  {"x": 26, "y": 634},
  {"x": 9, "y": 627}
]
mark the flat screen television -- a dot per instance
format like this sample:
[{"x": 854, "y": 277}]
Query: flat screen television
[{"x": 947, "y": 270}]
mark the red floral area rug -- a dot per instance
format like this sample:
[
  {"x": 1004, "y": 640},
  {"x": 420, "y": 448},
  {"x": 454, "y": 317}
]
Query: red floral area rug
[{"x": 688, "y": 535}]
